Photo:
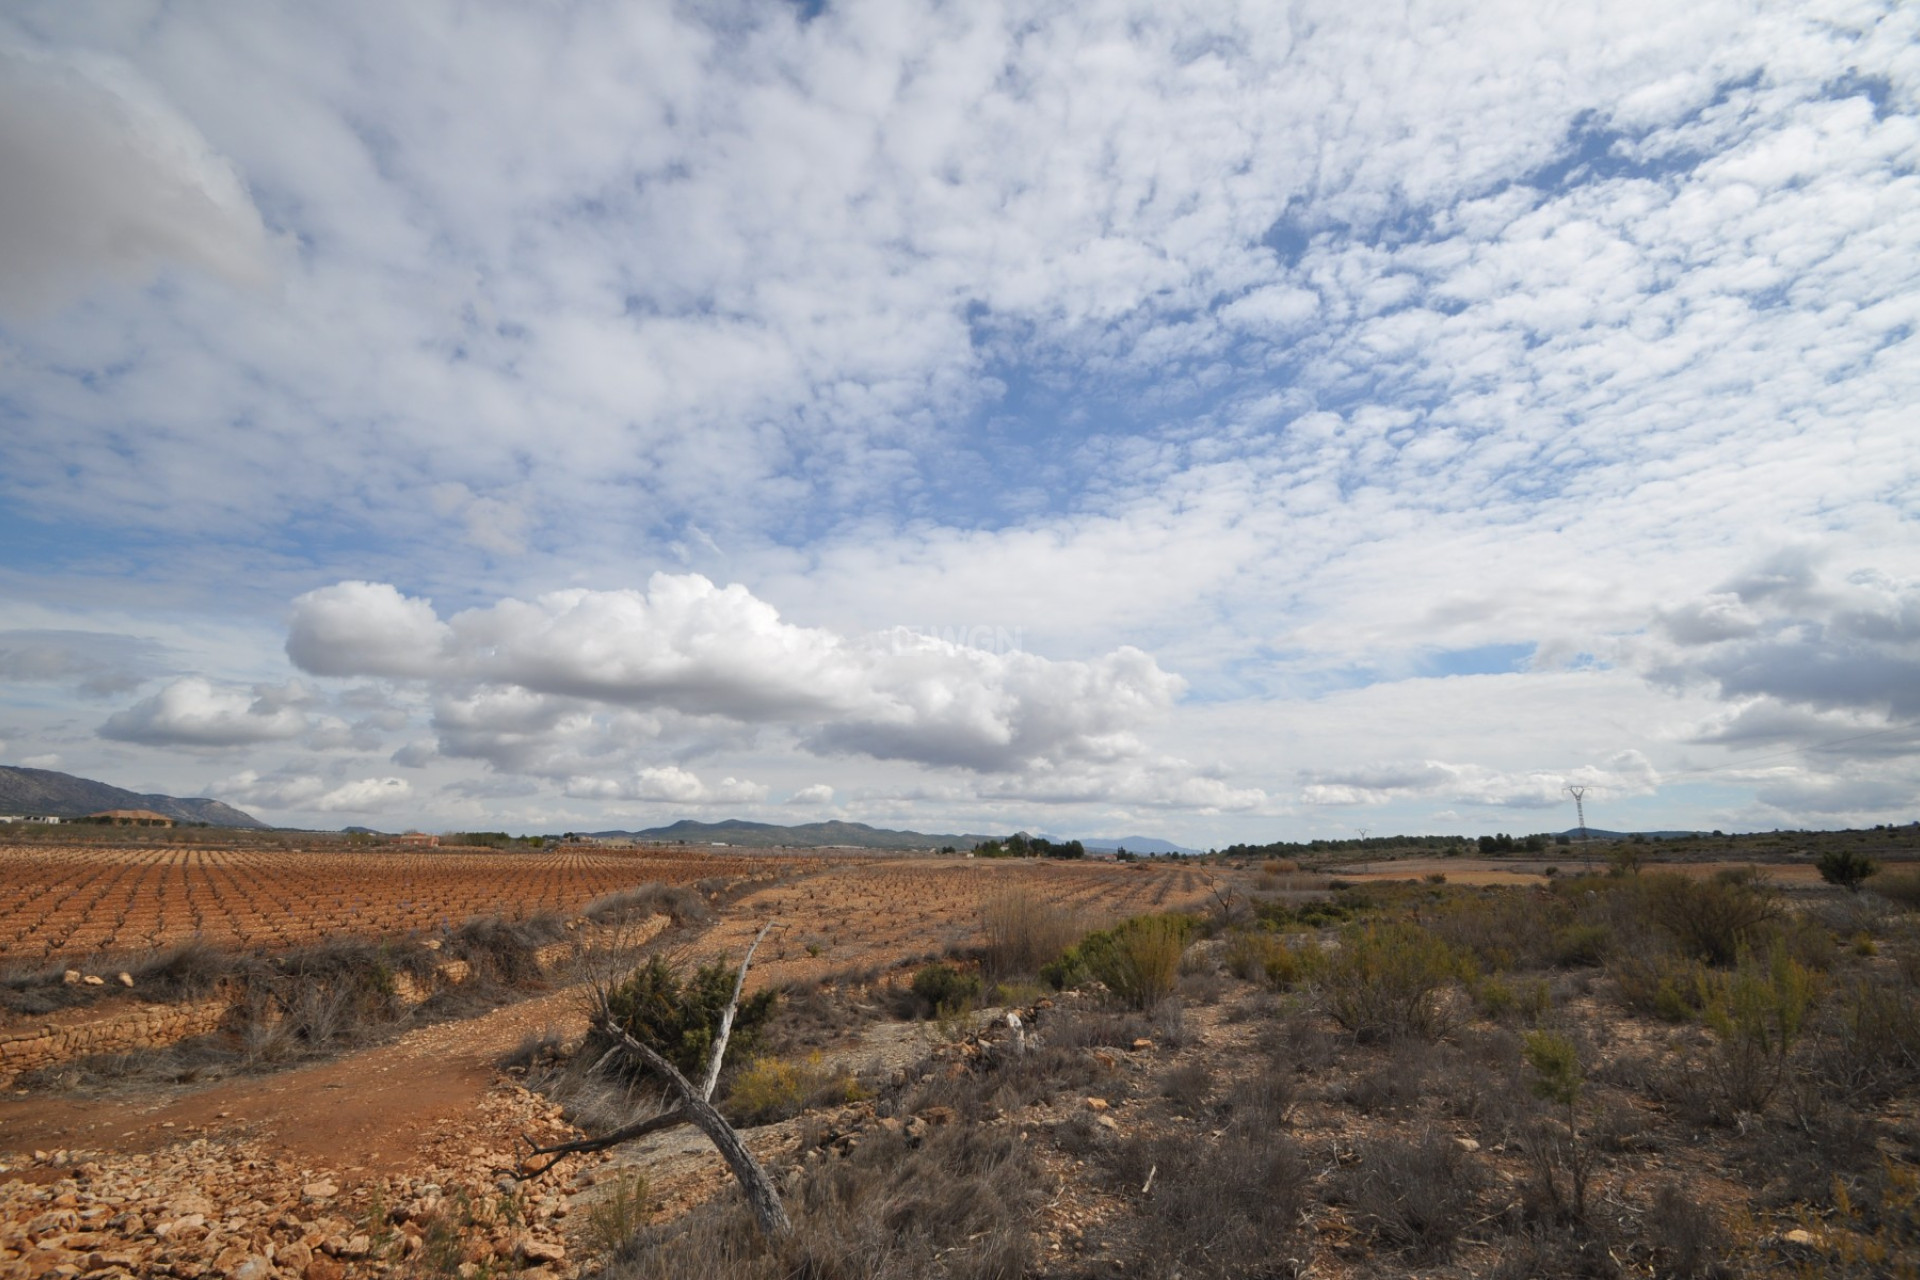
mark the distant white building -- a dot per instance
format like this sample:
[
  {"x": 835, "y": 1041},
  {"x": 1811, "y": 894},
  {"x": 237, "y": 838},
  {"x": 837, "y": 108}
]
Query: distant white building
[{"x": 52, "y": 822}]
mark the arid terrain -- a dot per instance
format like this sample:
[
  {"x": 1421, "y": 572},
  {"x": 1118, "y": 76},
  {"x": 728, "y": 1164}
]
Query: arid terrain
[{"x": 1414, "y": 1065}]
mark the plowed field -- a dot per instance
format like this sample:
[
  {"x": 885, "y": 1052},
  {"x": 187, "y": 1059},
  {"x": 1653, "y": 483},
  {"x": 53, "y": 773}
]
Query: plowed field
[
  {"x": 71, "y": 901},
  {"x": 876, "y": 913}
]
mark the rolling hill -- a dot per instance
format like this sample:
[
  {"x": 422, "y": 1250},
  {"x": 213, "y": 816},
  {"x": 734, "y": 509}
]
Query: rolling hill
[{"x": 37, "y": 792}]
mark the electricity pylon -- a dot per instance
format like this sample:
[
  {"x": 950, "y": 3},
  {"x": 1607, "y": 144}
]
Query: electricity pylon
[{"x": 1580, "y": 807}]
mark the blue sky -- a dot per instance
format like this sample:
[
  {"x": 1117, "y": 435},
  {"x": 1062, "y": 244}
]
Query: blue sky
[{"x": 1221, "y": 422}]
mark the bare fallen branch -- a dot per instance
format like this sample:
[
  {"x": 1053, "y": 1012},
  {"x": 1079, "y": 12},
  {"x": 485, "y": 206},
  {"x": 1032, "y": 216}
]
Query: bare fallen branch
[
  {"x": 753, "y": 1180},
  {"x": 687, "y": 1112},
  {"x": 582, "y": 1146}
]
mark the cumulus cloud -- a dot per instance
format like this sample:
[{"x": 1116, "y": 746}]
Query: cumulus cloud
[
  {"x": 818, "y": 793},
  {"x": 522, "y": 673},
  {"x": 194, "y": 712},
  {"x": 311, "y": 793},
  {"x": 102, "y": 176},
  {"x": 1790, "y": 637},
  {"x": 667, "y": 784}
]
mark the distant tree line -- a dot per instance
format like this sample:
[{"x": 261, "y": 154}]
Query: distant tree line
[
  {"x": 493, "y": 840},
  {"x": 1295, "y": 848},
  {"x": 1022, "y": 845}
]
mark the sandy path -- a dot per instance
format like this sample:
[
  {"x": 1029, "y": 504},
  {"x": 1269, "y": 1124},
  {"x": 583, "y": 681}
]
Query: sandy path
[{"x": 382, "y": 1110}]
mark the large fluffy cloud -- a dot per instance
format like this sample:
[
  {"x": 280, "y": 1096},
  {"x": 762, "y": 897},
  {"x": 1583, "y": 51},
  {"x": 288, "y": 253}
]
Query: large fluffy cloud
[
  {"x": 193, "y": 712},
  {"x": 526, "y": 671}
]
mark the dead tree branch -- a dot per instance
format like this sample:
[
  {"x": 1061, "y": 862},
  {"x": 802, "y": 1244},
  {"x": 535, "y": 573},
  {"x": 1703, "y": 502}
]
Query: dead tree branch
[
  {"x": 761, "y": 1197},
  {"x": 726, "y": 1018},
  {"x": 692, "y": 1102},
  {"x": 582, "y": 1146}
]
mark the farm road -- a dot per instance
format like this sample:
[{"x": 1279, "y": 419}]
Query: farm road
[{"x": 395, "y": 1107}]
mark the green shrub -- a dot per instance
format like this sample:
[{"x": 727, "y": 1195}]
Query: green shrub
[
  {"x": 1872, "y": 1046},
  {"x": 1899, "y": 887},
  {"x": 1258, "y": 956},
  {"x": 678, "y": 1016},
  {"x": 1667, "y": 986},
  {"x": 1846, "y": 868},
  {"x": 1139, "y": 959},
  {"x": 1499, "y": 999},
  {"x": 1757, "y": 1012},
  {"x": 1385, "y": 981},
  {"x": 1067, "y": 971},
  {"x": 773, "y": 1089},
  {"x": 1582, "y": 945},
  {"x": 941, "y": 989},
  {"x": 1711, "y": 920}
]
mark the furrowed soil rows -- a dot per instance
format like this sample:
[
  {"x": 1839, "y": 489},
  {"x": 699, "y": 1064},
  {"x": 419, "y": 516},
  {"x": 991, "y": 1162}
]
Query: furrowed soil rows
[
  {"x": 869, "y": 913},
  {"x": 73, "y": 901}
]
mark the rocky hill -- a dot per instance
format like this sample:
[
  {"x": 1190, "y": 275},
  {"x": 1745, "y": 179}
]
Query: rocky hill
[{"x": 46, "y": 791}]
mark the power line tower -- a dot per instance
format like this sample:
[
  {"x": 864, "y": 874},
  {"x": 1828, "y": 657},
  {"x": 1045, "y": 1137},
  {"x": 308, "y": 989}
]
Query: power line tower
[{"x": 1580, "y": 807}]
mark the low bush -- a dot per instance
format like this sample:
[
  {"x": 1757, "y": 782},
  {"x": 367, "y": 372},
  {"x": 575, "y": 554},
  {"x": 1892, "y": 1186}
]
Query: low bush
[
  {"x": 1901, "y": 888},
  {"x": 1663, "y": 985},
  {"x": 1711, "y": 920},
  {"x": 1412, "y": 1197},
  {"x": 505, "y": 952},
  {"x": 1024, "y": 933},
  {"x": 678, "y": 1015},
  {"x": 954, "y": 1205},
  {"x": 1685, "y": 1235},
  {"x": 1757, "y": 1014},
  {"x": 1138, "y": 960},
  {"x": 1508, "y": 1000},
  {"x": 1270, "y": 958},
  {"x": 770, "y": 1089},
  {"x": 678, "y": 903},
  {"x": 1225, "y": 1206},
  {"x": 1385, "y": 981},
  {"x": 1188, "y": 1087},
  {"x": 942, "y": 989},
  {"x": 1869, "y": 1045},
  {"x": 618, "y": 1216},
  {"x": 1582, "y": 945},
  {"x": 1847, "y": 868}
]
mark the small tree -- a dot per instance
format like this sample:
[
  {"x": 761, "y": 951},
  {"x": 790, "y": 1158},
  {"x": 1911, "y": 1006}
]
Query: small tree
[
  {"x": 1846, "y": 868},
  {"x": 1557, "y": 1078}
]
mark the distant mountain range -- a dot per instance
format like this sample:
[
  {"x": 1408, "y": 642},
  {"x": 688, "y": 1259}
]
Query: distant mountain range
[
  {"x": 45, "y": 792},
  {"x": 1134, "y": 844}
]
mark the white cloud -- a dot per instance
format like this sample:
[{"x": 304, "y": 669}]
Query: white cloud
[
  {"x": 818, "y": 793},
  {"x": 1312, "y": 353},
  {"x": 309, "y": 793},
  {"x": 104, "y": 177},
  {"x": 194, "y": 712},
  {"x": 667, "y": 784},
  {"x": 531, "y": 670}
]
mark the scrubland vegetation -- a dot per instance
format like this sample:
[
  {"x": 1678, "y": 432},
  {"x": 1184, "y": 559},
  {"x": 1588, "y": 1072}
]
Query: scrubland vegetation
[{"x": 1608, "y": 1075}]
